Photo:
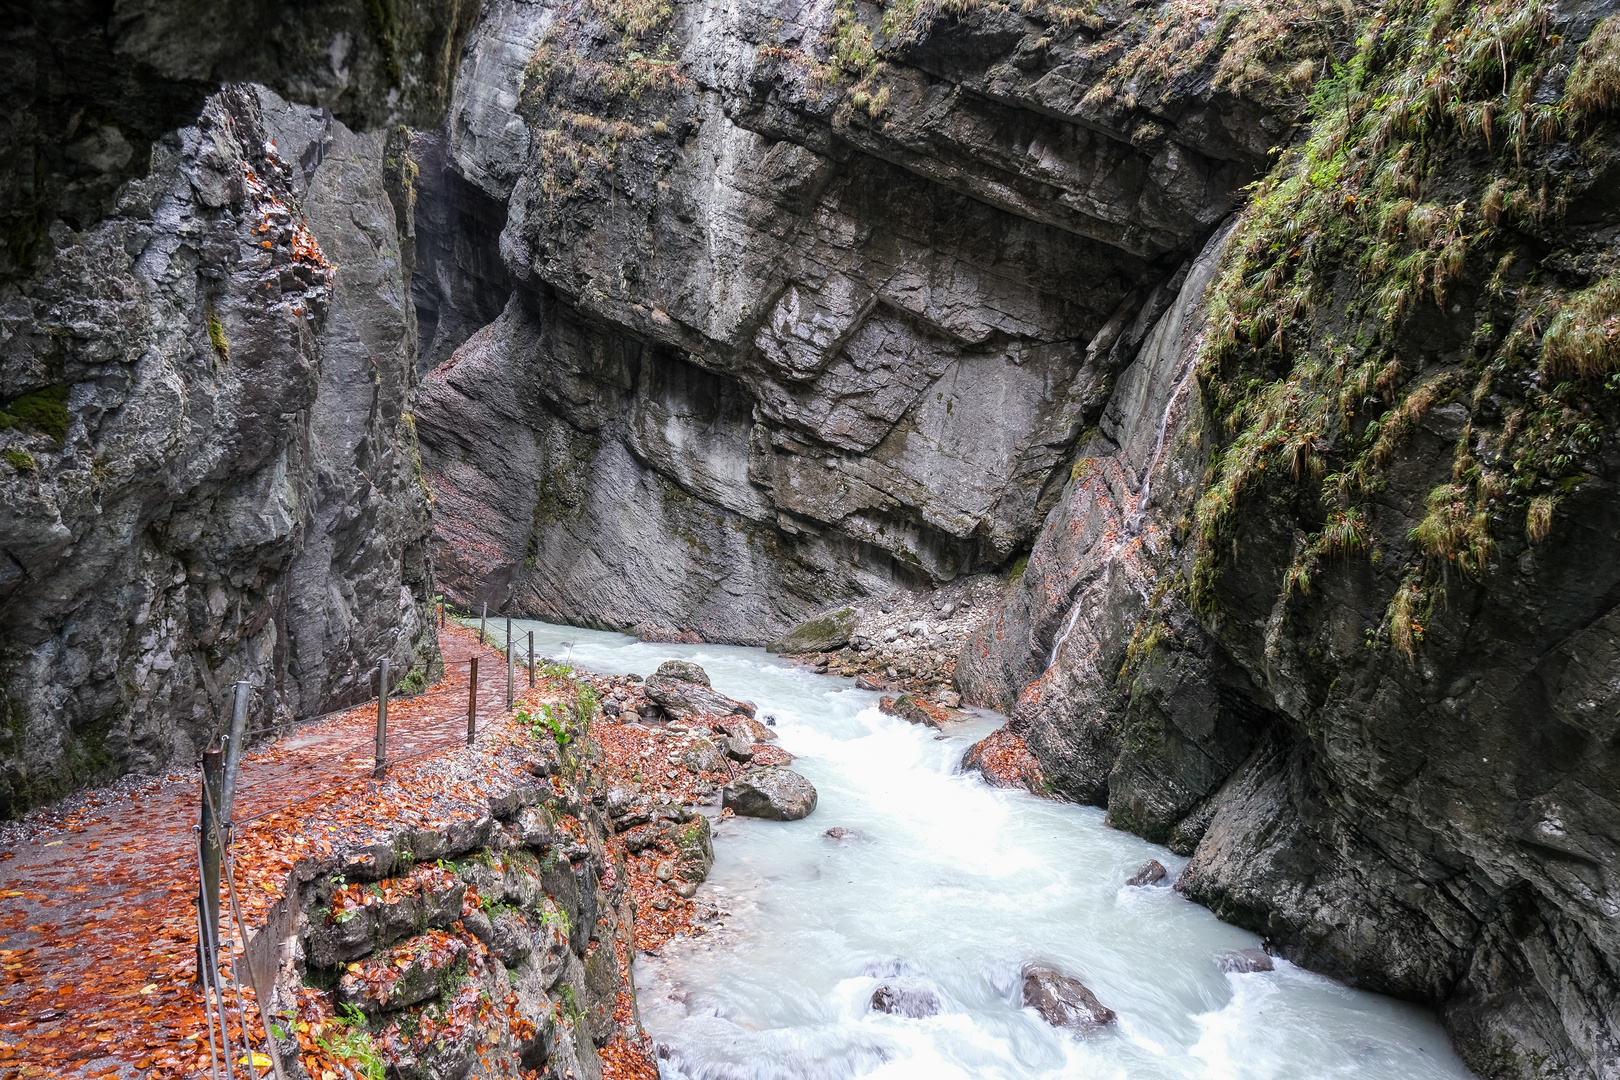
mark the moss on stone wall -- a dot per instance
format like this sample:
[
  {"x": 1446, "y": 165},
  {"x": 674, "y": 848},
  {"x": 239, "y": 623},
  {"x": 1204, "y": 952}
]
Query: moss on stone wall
[{"x": 1436, "y": 178}]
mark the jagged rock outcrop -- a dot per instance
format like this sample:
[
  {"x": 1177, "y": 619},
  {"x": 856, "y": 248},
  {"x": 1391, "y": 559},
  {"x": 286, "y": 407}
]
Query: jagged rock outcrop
[
  {"x": 1328, "y": 604},
  {"x": 828, "y": 335},
  {"x": 209, "y": 472}
]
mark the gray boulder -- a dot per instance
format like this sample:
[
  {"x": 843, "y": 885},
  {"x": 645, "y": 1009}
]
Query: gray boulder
[
  {"x": 773, "y": 794},
  {"x": 1064, "y": 1001},
  {"x": 746, "y": 728},
  {"x": 686, "y": 700},
  {"x": 1151, "y": 873},
  {"x": 703, "y": 756},
  {"x": 1243, "y": 961},
  {"x": 682, "y": 671},
  {"x": 820, "y": 634},
  {"x": 908, "y": 1001}
]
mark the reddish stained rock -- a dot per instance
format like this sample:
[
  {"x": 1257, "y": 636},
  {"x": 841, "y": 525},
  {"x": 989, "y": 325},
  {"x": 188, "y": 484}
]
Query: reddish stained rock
[{"x": 1004, "y": 761}]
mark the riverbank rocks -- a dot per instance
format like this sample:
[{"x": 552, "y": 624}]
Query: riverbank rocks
[
  {"x": 1064, "y": 1001},
  {"x": 773, "y": 794},
  {"x": 744, "y": 727},
  {"x": 682, "y": 671},
  {"x": 1151, "y": 873},
  {"x": 1004, "y": 760},
  {"x": 819, "y": 634},
  {"x": 702, "y": 755},
  {"x": 682, "y": 690},
  {"x": 909, "y": 709}
]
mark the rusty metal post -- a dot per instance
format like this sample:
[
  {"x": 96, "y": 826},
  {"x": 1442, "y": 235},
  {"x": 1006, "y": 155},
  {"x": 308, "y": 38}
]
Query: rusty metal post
[
  {"x": 382, "y": 721},
  {"x": 209, "y": 838},
  {"x": 482, "y": 619},
  {"x": 531, "y": 659},
  {"x": 472, "y": 701}
]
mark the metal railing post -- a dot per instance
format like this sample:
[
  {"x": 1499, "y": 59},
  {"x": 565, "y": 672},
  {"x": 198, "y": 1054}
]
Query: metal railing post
[
  {"x": 382, "y": 721},
  {"x": 209, "y": 838},
  {"x": 509, "y": 662},
  {"x": 472, "y": 701},
  {"x": 531, "y": 659},
  {"x": 482, "y": 619},
  {"x": 233, "y": 754}
]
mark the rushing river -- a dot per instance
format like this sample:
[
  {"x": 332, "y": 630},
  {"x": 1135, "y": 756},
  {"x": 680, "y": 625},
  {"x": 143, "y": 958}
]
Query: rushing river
[{"x": 954, "y": 885}]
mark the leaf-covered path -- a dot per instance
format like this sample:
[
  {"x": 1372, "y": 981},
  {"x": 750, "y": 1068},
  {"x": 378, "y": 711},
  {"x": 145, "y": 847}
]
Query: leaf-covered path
[{"x": 97, "y": 919}]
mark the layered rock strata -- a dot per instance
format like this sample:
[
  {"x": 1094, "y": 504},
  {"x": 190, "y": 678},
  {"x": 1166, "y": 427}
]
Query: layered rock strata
[{"x": 833, "y": 324}]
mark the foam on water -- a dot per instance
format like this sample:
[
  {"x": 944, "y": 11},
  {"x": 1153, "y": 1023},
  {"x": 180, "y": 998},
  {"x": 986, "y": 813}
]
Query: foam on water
[{"x": 953, "y": 886}]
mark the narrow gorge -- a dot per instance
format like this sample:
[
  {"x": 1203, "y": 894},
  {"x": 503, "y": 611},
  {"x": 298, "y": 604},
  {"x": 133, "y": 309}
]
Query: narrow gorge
[{"x": 1223, "y": 391}]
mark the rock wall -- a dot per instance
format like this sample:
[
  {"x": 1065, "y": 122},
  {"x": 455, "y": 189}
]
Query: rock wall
[
  {"x": 831, "y": 323},
  {"x": 1328, "y": 603},
  {"x": 208, "y": 470}
]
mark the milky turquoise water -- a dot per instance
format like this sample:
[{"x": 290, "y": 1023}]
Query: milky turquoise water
[{"x": 960, "y": 885}]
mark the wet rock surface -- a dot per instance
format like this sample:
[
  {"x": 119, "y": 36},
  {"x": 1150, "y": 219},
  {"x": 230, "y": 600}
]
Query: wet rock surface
[
  {"x": 1244, "y": 961},
  {"x": 912, "y": 1002},
  {"x": 1385, "y": 766},
  {"x": 1064, "y": 1001},
  {"x": 1151, "y": 873},
  {"x": 774, "y": 794}
]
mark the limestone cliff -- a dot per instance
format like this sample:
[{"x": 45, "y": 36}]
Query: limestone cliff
[
  {"x": 791, "y": 324},
  {"x": 1329, "y": 603},
  {"x": 207, "y": 466}
]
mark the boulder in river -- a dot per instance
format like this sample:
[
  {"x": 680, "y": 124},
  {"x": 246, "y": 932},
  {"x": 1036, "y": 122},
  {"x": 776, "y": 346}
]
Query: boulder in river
[
  {"x": 773, "y": 794},
  {"x": 823, "y": 633},
  {"x": 682, "y": 671},
  {"x": 1151, "y": 873},
  {"x": 907, "y": 708},
  {"x": 1242, "y": 961},
  {"x": 914, "y": 1002},
  {"x": 738, "y": 748},
  {"x": 685, "y": 699},
  {"x": 1064, "y": 1001}
]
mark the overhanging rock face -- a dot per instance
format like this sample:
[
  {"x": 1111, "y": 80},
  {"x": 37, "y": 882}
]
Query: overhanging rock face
[{"x": 769, "y": 350}]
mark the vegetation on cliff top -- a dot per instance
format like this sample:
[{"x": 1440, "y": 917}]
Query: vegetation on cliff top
[{"x": 1435, "y": 178}]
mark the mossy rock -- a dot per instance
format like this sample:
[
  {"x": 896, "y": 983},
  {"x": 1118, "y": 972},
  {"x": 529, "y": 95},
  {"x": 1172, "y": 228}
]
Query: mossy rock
[
  {"x": 820, "y": 634},
  {"x": 684, "y": 671}
]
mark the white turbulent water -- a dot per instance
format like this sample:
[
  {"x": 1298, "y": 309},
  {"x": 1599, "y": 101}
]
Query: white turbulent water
[{"x": 957, "y": 885}]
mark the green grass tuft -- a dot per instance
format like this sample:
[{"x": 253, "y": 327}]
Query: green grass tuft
[{"x": 44, "y": 411}]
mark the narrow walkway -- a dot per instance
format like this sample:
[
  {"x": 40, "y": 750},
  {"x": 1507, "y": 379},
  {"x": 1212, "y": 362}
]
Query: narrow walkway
[{"x": 98, "y": 926}]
